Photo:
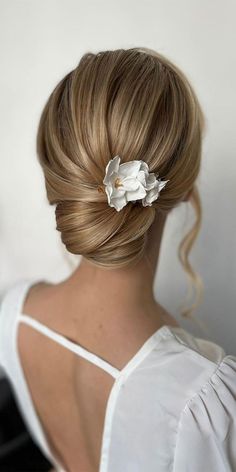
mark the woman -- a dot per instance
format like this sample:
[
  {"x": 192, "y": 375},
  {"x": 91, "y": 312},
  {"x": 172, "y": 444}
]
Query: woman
[{"x": 105, "y": 377}]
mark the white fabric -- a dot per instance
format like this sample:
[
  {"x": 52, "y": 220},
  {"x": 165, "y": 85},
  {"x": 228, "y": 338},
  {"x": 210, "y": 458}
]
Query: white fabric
[{"x": 171, "y": 408}]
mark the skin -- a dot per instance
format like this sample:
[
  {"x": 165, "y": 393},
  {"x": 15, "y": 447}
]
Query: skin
[
  {"x": 130, "y": 290},
  {"x": 127, "y": 290},
  {"x": 104, "y": 308}
]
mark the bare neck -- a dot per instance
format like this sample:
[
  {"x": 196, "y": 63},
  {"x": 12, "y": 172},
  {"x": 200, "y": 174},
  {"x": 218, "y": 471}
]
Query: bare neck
[{"x": 122, "y": 292}]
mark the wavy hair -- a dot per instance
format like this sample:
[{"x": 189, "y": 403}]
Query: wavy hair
[{"x": 135, "y": 103}]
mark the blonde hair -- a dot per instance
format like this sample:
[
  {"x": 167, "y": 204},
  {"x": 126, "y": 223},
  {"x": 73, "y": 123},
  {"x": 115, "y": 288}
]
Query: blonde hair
[{"x": 135, "y": 103}]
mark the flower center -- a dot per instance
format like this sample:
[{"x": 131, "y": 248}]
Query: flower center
[{"x": 118, "y": 183}]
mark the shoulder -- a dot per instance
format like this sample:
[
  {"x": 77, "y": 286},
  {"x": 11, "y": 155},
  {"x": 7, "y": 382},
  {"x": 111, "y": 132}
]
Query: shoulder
[
  {"x": 17, "y": 293},
  {"x": 205, "y": 392},
  {"x": 206, "y": 436},
  {"x": 187, "y": 364},
  {"x": 11, "y": 301},
  {"x": 205, "y": 350},
  {"x": 33, "y": 296}
]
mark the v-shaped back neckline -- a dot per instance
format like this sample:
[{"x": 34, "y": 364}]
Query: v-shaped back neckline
[
  {"x": 76, "y": 348},
  {"x": 161, "y": 333},
  {"x": 90, "y": 356},
  {"x": 79, "y": 350}
]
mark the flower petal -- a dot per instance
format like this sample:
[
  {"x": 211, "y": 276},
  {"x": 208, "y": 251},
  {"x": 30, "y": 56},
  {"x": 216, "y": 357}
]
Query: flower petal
[
  {"x": 117, "y": 192},
  {"x": 151, "y": 181},
  {"x": 150, "y": 197},
  {"x": 142, "y": 177},
  {"x": 112, "y": 166},
  {"x": 129, "y": 169},
  {"x": 130, "y": 183},
  {"x": 118, "y": 203},
  {"x": 144, "y": 167},
  {"x": 162, "y": 184},
  {"x": 136, "y": 194},
  {"x": 108, "y": 190}
]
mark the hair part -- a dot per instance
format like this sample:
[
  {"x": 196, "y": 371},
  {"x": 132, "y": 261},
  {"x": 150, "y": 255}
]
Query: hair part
[{"x": 135, "y": 103}]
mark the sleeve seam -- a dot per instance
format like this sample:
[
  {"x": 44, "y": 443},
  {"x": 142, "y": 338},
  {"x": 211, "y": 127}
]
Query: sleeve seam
[
  {"x": 187, "y": 404},
  {"x": 204, "y": 386},
  {"x": 197, "y": 353}
]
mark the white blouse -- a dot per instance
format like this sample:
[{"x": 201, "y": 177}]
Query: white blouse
[{"x": 172, "y": 408}]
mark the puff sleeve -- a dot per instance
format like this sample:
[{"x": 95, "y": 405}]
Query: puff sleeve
[{"x": 206, "y": 438}]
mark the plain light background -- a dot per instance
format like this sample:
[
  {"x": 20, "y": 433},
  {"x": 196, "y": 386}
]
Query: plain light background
[{"x": 40, "y": 41}]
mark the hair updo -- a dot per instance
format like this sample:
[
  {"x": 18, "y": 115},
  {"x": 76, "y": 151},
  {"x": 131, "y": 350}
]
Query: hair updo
[{"x": 129, "y": 102}]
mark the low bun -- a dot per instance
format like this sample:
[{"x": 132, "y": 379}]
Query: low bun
[
  {"x": 134, "y": 103},
  {"x": 102, "y": 235}
]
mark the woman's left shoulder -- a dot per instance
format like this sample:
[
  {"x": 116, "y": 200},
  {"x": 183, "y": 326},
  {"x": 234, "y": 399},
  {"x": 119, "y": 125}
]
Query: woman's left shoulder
[{"x": 207, "y": 427}]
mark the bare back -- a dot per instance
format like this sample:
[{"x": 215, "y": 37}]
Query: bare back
[{"x": 69, "y": 393}]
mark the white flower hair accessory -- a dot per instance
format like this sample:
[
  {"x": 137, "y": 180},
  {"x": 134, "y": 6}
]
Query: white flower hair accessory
[{"x": 130, "y": 181}]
